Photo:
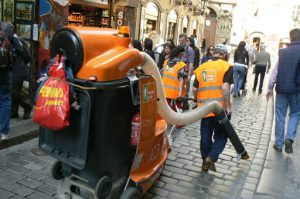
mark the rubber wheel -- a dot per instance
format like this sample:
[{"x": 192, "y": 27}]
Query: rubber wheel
[
  {"x": 103, "y": 187},
  {"x": 131, "y": 193},
  {"x": 56, "y": 170}
]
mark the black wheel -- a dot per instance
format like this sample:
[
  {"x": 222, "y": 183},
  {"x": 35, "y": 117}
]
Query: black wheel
[
  {"x": 103, "y": 187},
  {"x": 56, "y": 170},
  {"x": 131, "y": 193}
]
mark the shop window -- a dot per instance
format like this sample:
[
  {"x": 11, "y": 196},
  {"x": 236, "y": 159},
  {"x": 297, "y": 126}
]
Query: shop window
[{"x": 81, "y": 15}]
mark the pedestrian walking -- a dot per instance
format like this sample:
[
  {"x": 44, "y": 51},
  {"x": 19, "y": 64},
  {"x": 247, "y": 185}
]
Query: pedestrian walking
[
  {"x": 251, "y": 52},
  {"x": 188, "y": 58},
  {"x": 8, "y": 41},
  {"x": 241, "y": 62},
  {"x": 208, "y": 55},
  {"x": 170, "y": 41},
  {"x": 166, "y": 54},
  {"x": 148, "y": 47},
  {"x": 203, "y": 45},
  {"x": 212, "y": 83},
  {"x": 21, "y": 73},
  {"x": 191, "y": 42},
  {"x": 137, "y": 45},
  {"x": 286, "y": 76},
  {"x": 262, "y": 63},
  {"x": 173, "y": 77}
]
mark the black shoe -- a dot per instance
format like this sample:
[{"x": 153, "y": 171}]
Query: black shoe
[
  {"x": 208, "y": 164},
  {"x": 260, "y": 91},
  {"x": 14, "y": 115},
  {"x": 239, "y": 94},
  {"x": 253, "y": 89},
  {"x": 288, "y": 146},
  {"x": 276, "y": 148}
]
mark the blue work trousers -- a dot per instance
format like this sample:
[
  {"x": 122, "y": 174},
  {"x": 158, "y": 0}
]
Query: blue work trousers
[{"x": 211, "y": 130}]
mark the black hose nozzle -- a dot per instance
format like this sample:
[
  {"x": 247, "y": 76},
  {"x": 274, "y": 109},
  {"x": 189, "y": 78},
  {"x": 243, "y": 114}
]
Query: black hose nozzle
[{"x": 231, "y": 134}]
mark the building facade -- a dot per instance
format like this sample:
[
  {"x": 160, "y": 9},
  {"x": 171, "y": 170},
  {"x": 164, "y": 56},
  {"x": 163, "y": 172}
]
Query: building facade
[{"x": 162, "y": 20}]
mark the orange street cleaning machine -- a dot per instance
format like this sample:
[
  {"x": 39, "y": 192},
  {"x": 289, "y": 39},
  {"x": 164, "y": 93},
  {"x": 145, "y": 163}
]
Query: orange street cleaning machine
[{"x": 116, "y": 145}]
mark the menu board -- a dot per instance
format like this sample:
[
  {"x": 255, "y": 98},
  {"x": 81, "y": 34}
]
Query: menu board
[{"x": 8, "y": 10}]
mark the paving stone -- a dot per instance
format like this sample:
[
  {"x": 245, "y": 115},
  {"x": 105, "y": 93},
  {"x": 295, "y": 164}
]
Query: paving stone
[
  {"x": 175, "y": 188},
  {"x": 29, "y": 182},
  {"x": 33, "y": 166},
  {"x": 23, "y": 191},
  {"x": 247, "y": 194},
  {"x": 175, "y": 170},
  {"x": 174, "y": 164},
  {"x": 48, "y": 189},
  {"x": 168, "y": 180},
  {"x": 39, "y": 195},
  {"x": 5, "y": 194},
  {"x": 182, "y": 177},
  {"x": 250, "y": 187},
  {"x": 254, "y": 174},
  {"x": 9, "y": 186},
  {"x": 159, "y": 191}
]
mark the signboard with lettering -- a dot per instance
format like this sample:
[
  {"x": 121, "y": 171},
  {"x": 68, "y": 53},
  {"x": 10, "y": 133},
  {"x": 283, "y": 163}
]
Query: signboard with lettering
[{"x": 120, "y": 15}]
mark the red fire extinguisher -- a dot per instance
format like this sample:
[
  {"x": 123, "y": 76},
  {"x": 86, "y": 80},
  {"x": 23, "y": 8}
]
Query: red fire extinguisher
[{"x": 135, "y": 129}]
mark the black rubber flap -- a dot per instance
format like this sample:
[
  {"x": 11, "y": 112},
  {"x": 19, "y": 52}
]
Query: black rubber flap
[{"x": 70, "y": 42}]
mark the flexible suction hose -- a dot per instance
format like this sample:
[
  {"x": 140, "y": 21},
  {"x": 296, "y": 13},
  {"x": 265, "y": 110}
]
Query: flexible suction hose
[
  {"x": 172, "y": 117},
  {"x": 150, "y": 68}
]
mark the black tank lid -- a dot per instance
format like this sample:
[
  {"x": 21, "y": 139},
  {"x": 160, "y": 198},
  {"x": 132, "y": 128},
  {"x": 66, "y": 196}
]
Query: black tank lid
[{"x": 70, "y": 42}]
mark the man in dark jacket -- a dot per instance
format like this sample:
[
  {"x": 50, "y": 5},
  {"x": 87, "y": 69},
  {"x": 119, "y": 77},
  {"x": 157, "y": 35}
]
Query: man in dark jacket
[
  {"x": 21, "y": 73},
  {"x": 6, "y": 81},
  {"x": 286, "y": 76}
]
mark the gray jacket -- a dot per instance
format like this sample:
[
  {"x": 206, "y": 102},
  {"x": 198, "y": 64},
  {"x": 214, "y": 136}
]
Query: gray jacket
[{"x": 262, "y": 58}]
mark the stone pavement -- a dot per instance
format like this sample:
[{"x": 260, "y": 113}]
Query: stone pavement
[
  {"x": 20, "y": 131},
  {"x": 25, "y": 170}
]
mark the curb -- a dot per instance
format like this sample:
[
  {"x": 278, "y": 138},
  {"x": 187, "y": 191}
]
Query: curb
[{"x": 18, "y": 139}]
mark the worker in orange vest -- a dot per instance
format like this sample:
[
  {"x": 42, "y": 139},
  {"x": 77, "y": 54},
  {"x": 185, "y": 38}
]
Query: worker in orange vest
[
  {"x": 173, "y": 77},
  {"x": 212, "y": 83}
]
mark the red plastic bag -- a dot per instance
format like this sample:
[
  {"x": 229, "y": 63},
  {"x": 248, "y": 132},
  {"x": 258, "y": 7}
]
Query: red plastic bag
[{"x": 52, "y": 108}]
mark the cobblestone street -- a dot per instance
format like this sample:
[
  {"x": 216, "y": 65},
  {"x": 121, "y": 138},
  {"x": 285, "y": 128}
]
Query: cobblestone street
[{"x": 25, "y": 170}]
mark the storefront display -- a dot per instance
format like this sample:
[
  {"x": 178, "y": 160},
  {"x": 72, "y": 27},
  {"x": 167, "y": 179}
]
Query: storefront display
[
  {"x": 24, "y": 11},
  {"x": 1, "y": 11},
  {"x": 8, "y": 10},
  {"x": 82, "y": 15}
]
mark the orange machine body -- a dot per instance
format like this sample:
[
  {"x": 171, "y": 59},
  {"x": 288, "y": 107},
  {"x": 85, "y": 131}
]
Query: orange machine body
[{"x": 107, "y": 56}]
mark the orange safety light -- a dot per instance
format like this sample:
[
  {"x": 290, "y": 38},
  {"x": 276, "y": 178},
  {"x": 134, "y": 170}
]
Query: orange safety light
[{"x": 123, "y": 31}]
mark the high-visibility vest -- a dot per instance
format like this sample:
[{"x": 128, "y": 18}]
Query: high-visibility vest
[
  {"x": 210, "y": 76},
  {"x": 170, "y": 80}
]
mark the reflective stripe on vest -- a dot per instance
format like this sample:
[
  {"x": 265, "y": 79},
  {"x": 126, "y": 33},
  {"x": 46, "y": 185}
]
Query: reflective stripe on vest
[
  {"x": 221, "y": 99},
  {"x": 210, "y": 88},
  {"x": 170, "y": 77},
  {"x": 171, "y": 87}
]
